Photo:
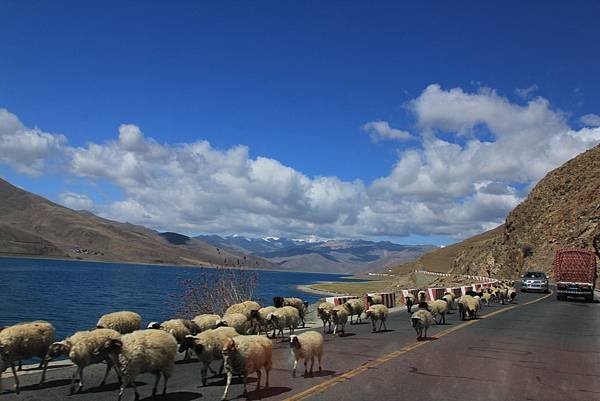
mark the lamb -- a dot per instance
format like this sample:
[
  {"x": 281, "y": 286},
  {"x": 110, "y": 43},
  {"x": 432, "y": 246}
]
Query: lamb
[
  {"x": 244, "y": 308},
  {"x": 259, "y": 319},
  {"x": 355, "y": 307},
  {"x": 237, "y": 321},
  {"x": 511, "y": 294},
  {"x": 244, "y": 355},
  {"x": 206, "y": 322},
  {"x": 23, "y": 341},
  {"x": 377, "y": 312},
  {"x": 307, "y": 346},
  {"x": 207, "y": 346},
  {"x": 297, "y": 303},
  {"x": 324, "y": 313},
  {"x": 179, "y": 328},
  {"x": 80, "y": 349},
  {"x": 410, "y": 301},
  {"x": 143, "y": 351},
  {"x": 468, "y": 305},
  {"x": 422, "y": 296},
  {"x": 438, "y": 307},
  {"x": 285, "y": 317},
  {"x": 487, "y": 297},
  {"x": 124, "y": 322},
  {"x": 339, "y": 316},
  {"x": 421, "y": 321}
]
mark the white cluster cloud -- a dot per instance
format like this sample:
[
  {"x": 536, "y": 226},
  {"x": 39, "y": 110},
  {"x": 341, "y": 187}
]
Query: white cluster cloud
[
  {"x": 591, "y": 120},
  {"x": 27, "y": 150},
  {"x": 381, "y": 130},
  {"x": 493, "y": 152}
]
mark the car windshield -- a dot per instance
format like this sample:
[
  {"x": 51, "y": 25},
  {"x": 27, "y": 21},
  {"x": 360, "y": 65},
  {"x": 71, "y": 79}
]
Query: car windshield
[{"x": 534, "y": 275}]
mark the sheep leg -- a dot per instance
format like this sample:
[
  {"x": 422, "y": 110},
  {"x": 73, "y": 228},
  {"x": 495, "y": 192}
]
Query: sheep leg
[
  {"x": 319, "y": 359},
  {"x": 14, "y": 372},
  {"x": 203, "y": 373},
  {"x": 156, "y": 379},
  {"x": 295, "y": 366},
  {"x": 108, "y": 367},
  {"x": 312, "y": 364},
  {"x": 258, "y": 375},
  {"x": 73, "y": 389},
  {"x": 137, "y": 395},
  {"x": 335, "y": 328},
  {"x": 166, "y": 379},
  {"x": 305, "y": 367},
  {"x": 43, "y": 379},
  {"x": 20, "y": 365},
  {"x": 80, "y": 379},
  {"x": 267, "y": 374},
  {"x": 229, "y": 376},
  {"x": 245, "y": 381}
]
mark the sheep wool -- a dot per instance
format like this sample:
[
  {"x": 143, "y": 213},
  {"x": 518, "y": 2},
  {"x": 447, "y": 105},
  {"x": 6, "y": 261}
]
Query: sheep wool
[
  {"x": 24, "y": 341},
  {"x": 238, "y": 321},
  {"x": 143, "y": 351},
  {"x": 206, "y": 322},
  {"x": 124, "y": 322},
  {"x": 299, "y": 304},
  {"x": 421, "y": 321},
  {"x": 208, "y": 345},
  {"x": 260, "y": 319},
  {"x": 245, "y": 308},
  {"x": 376, "y": 313},
  {"x": 244, "y": 355},
  {"x": 307, "y": 346}
]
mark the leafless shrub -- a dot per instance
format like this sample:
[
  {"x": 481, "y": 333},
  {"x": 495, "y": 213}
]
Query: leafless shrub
[{"x": 213, "y": 291}]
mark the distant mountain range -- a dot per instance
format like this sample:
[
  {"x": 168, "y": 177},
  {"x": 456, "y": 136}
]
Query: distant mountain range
[
  {"x": 332, "y": 256},
  {"x": 32, "y": 226}
]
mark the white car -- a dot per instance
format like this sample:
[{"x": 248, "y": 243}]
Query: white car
[{"x": 534, "y": 281}]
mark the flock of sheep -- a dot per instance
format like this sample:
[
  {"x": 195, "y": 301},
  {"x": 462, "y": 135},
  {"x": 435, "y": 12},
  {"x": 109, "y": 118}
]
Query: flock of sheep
[
  {"x": 235, "y": 338},
  {"x": 468, "y": 305}
]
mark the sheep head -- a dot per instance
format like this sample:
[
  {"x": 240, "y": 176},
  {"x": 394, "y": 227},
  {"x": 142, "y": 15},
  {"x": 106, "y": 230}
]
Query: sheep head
[
  {"x": 113, "y": 346},
  {"x": 154, "y": 325},
  {"x": 58, "y": 348},
  {"x": 294, "y": 342},
  {"x": 278, "y": 302}
]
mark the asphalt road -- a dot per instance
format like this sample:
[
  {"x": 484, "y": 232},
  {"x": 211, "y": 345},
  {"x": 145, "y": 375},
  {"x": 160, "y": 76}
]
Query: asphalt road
[{"x": 535, "y": 349}]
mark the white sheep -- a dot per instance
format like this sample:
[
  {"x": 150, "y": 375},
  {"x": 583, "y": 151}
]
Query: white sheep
[
  {"x": 374, "y": 299},
  {"x": 438, "y": 307},
  {"x": 124, "y": 321},
  {"x": 244, "y": 355},
  {"x": 324, "y": 312},
  {"x": 297, "y": 303},
  {"x": 355, "y": 306},
  {"x": 421, "y": 296},
  {"x": 80, "y": 349},
  {"x": 143, "y": 351},
  {"x": 409, "y": 301},
  {"x": 282, "y": 318},
  {"x": 259, "y": 319},
  {"x": 421, "y": 321},
  {"x": 449, "y": 298},
  {"x": 206, "y": 321},
  {"x": 179, "y": 328},
  {"x": 339, "y": 317},
  {"x": 486, "y": 298},
  {"x": 208, "y": 345},
  {"x": 307, "y": 346},
  {"x": 24, "y": 341},
  {"x": 468, "y": 305},
  {"x": 238, "y": 321},
  {"x": 377, "y": 312}
]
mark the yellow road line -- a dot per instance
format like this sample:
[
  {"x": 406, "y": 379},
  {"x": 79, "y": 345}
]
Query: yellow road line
[{"x": 319, "y": 388}]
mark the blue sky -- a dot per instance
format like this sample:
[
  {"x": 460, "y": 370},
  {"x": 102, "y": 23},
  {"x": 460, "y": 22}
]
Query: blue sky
[{"x": 296, "y": 82}]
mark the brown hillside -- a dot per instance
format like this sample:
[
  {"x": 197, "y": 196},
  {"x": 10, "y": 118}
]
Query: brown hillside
[
  {"x": 563, "y": 210},
  {"x": 34, "y": 226}
]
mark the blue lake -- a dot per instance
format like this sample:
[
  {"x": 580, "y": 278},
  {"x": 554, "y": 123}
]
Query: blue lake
[{"x": 72, "y": 295}]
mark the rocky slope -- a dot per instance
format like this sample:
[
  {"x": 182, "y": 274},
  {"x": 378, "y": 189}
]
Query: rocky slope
[
  {"x": 562, "y": 211},
  {"x": 33, "y": 226}
]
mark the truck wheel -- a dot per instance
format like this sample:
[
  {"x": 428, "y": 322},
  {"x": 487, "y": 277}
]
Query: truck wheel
[
  {"x": 589, "y": 298},
  {"x": 560, "y": 297}
]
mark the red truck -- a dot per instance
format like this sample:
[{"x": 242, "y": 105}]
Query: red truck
[{"x": 575, "y": 273}]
